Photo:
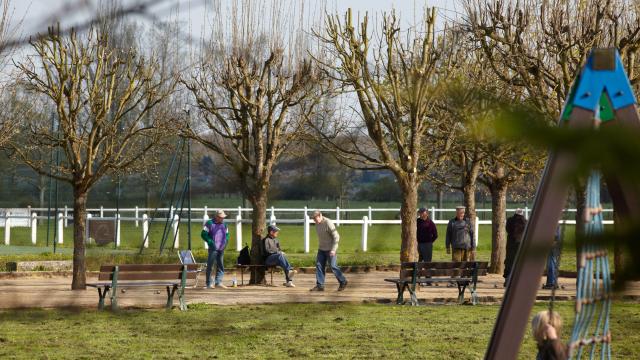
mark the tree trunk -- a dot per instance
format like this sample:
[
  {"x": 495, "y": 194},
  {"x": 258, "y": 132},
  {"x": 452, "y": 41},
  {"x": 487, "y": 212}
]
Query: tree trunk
[
  {"x": 79, "y": 222},
  {"x": 498, "y": 191},
  {"x": 258, "y": 215},
  {"x": 469, "y": 199},
  {"x": 409, "y": 245},
  {"x": 469, "y": 185}
]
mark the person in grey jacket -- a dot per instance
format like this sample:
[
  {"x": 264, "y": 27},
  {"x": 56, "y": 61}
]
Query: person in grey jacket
[
  {"x": 275, "y": 257},
  {"x": 328, "y": 239},
  {"x": 460, "y": 237}
]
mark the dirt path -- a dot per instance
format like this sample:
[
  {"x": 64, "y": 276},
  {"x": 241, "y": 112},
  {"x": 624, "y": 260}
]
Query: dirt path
[{"x": 47, "y": 292}]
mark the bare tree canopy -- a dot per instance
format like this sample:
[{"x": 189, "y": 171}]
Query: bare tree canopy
[
  {"x": 253, "y": 88},
  {"x": 101, "y": 95},
  {"x": 395, "y": 78},
  {"x": 7, "y": 118}
]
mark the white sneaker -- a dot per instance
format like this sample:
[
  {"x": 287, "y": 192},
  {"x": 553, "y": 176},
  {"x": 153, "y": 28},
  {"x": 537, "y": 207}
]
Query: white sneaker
[
  {"x": 292, "y": 273},
  {"x": 289, "y": 284}
]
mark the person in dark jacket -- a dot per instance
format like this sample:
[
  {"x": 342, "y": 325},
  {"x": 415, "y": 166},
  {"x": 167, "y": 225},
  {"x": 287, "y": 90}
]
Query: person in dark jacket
[
  {"x": 426, "y": 235},
  {"x": 515, "y": 230},
  {"x": 274, "y": 255},
  {"x": 460, "y": 242}
]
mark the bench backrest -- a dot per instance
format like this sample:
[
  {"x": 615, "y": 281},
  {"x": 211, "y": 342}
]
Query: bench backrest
[
  {"x": 147, "y": 272},
  {"x": 443, "y": 269}
]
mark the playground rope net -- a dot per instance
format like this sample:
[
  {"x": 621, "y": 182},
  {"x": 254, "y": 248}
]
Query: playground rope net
[{"x": 591, "y": 333}]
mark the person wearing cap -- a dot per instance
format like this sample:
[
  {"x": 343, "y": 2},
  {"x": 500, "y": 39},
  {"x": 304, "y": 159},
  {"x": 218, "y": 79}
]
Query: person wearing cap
[
  {"x": 216, "y": 234},
  {"x": 328, "y": 239},
  {"x": 459, "y": 240},
  {"x": 274, "y": 255},
  {"x": 515, "y": 230},
  {"x": 426, "y": 234}
]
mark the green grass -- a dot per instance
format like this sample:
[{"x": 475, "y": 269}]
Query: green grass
[
  {"x": 307, "y": 331},
  {"x": 383, "y": 245}
]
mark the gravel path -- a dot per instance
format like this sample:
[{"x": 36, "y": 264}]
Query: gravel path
[{"x": 53, "y": 291}]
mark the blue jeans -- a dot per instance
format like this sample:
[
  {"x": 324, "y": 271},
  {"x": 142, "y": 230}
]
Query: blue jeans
[
  {"x": 552, "y": 268},
  {"x": 425, "y": 251},
  {"x": 217, "y": 257},
  {"x": 321, "y": 262},
  {"x": 279, "y": 260}
]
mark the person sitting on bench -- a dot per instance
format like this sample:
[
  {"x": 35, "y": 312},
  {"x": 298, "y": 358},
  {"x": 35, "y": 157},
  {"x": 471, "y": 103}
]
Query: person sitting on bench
[{"x": 275, "y": 257}]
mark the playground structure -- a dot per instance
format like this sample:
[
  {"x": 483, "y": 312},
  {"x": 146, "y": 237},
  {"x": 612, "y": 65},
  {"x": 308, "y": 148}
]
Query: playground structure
[{"x": 601, "y": 96}]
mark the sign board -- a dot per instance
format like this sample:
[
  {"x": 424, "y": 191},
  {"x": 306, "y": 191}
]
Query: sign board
[
  {"x": 102, "y": 231},
  {"x": 23, "y": 221}
]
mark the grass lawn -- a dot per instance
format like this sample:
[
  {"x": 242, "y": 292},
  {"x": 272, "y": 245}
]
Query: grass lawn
[
  {"x": 383, "y": 246},
  {"x": 279, "y": 331}
]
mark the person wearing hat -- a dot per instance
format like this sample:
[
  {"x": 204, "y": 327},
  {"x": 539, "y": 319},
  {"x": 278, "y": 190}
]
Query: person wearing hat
[
  {"x": 274, "y": 255},
  {"x": 216, "y": 234},
  {"x": 515, "y": 230},
  {"x": 328, "y": 239},
  {"x": 426, "y": 234},
  {"x": 459, "y": 241}
]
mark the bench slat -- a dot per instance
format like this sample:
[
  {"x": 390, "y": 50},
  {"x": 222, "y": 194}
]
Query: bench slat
[
  {"x": 450, "y": 272},
  {"x": 137, "y": 283},
  {"x": 446, "y": 264},
  {"x": 148, "y": 267},
  {"x": 147, "y": 276}
]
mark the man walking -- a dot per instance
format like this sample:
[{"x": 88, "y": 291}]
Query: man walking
[
  {"x": 216, "y": 235},
  {"x": 515, "y": 230},
  {"x": 460, "y": 237},
  {"x": 426, "y": 233},
  {"x": 328, "y": 239},
  {"x": 275, "y": 257}
]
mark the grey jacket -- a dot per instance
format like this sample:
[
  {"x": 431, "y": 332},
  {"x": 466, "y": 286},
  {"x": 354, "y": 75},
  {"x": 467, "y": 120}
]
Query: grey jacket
[
  {"x": 459, "y": 234},
  {"x": 271, "y": 246}
]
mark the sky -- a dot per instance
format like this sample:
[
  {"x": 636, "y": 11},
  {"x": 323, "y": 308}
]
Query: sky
[{"x": 33, "y": 16}]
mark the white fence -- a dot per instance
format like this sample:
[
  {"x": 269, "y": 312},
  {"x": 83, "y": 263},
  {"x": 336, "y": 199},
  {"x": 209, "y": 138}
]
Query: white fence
[{"x": 141, "y": 216}]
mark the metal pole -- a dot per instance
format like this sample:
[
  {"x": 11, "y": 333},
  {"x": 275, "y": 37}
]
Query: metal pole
[
  {"x": 56, "y": 230},
  {"x": 117, "y": 238},
  {"x": 50, "y": 186},
  {"x": 189, "y": 188}
]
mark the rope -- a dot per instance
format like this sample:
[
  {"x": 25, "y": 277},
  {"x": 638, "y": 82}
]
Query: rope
[{"x": 591, "y": 332}]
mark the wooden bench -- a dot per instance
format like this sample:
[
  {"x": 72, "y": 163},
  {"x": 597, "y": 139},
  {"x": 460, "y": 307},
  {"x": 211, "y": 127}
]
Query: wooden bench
[
  {"x": 253, "y": 268},
  {"x": 463, "y": 274},
  {"x": 172, "y": 276}
]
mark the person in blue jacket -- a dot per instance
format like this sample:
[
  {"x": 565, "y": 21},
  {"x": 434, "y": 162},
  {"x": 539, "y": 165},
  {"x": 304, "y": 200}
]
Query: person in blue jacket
[{"x": 216, "y": 234}]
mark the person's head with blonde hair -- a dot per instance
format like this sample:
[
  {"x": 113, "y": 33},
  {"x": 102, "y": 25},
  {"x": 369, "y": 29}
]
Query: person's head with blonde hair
[{"x": 541, "y": 323}]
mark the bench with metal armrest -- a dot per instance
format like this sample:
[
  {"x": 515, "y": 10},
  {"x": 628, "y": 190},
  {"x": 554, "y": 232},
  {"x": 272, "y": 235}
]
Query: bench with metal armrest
[
  {"x": 463, "y": 274},
  {"x": 172, "y": 276}
]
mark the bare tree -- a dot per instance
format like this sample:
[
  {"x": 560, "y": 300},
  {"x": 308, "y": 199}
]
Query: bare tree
[
  {"x": 394, "y": 81},
  {"x": 253, "y": 89},
  {"x": 462, "y": 107},
  {"x": 540, "y": 46},
  {"x": 7, "y": 122},
  {"x": 99, "y": 129}
]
